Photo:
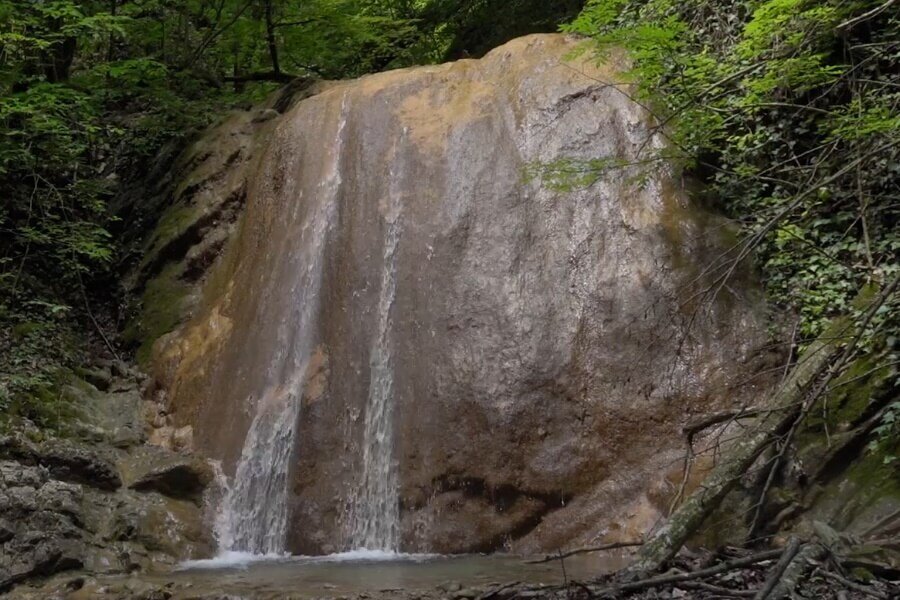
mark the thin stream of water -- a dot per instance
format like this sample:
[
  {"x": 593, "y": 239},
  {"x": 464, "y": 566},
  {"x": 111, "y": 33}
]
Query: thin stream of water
[{"x": 376, "y": 518}]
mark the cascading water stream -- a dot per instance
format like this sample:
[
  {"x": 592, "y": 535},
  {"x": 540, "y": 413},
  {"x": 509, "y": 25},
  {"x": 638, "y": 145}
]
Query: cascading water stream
[
  {"x": 376, "y": 515},
  {"x": 254, "y": 513}
]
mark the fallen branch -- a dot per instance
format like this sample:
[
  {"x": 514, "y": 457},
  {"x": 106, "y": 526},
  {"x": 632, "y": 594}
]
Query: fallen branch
[
  {"x": 695, "y": 427},
  {"x": 717, "y": 589},
  {"x": 585, "y": 550},
  {"x": 863, "y": 589},
  {"x": 790, "y": 551},
  {"x": 497, "y": 591},
  {"x": 850, "y": 23},
  {"x": 796, "y": 570},
  {"x": 737, "y": 563}
]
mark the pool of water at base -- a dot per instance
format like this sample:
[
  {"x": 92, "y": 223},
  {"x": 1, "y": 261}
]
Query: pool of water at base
[{"x": 374, "y": 576}]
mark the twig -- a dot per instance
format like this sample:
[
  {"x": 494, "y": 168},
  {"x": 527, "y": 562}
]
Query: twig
[
  {"x": 584, "y": 550},
  {"x": 90, "y": 314},
  {"x": 850, "y": 23}
]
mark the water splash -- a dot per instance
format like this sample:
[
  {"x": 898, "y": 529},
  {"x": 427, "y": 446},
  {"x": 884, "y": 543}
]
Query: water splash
[
  {"x": 377, "y": 513},
  {"x": 254, "y": 517}
]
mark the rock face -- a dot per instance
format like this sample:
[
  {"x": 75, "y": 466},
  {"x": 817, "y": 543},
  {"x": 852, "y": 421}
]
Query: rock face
[
  {"x": 101, "y": 504},
  {"x": 530, "y": 353},
  {"x": 64, "y": 460}
]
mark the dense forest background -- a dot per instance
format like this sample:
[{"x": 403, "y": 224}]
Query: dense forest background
[{"x": 787, "y": 111}]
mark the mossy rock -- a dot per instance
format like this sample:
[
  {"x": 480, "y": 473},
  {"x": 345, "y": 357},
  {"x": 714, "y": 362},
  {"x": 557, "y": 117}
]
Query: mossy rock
[
  {"x": 867, "y": 491},
  {"x": 161, "y": 310}
]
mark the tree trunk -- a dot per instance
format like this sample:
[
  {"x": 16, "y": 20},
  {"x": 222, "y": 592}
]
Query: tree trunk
[{"x": 270, "y": 38}]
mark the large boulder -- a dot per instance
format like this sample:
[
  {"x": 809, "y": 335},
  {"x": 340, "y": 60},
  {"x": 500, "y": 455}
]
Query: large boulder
[{"x": 533, "y": 349}]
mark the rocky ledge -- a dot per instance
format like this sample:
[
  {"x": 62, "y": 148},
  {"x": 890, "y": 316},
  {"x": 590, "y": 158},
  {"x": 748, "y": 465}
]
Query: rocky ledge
[{"x": 101, "y": 501}]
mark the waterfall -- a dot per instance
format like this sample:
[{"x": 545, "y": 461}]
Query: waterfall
[
  {"x": 254, "y": 514},
  {"x": 376, "y": 523}
]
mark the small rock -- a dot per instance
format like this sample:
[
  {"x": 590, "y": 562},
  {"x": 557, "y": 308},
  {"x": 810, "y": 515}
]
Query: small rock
[
  {"x": 6, "y": 531},
  {"x": 450, "y": 586},
  {"x": 267, "y": 114},
  {"x": 99, "y": 377},
  {"x": 75, "y": 584}
]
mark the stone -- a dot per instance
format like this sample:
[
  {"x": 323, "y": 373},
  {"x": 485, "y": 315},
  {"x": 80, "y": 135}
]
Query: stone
[
  {"x": 174, "y": 475},
  {"x": 540, "y": 349},
  {"x": 115, "y": 415},
  {"x": 266, "y": 114},
  {"x": 6, "y": 531},
  {"x": 99, "y": 377}
]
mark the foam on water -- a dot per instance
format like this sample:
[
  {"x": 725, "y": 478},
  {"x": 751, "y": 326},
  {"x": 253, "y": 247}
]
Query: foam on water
[
  {"x": 230, "y": 559},
  {"x": 242, "y": 560}
]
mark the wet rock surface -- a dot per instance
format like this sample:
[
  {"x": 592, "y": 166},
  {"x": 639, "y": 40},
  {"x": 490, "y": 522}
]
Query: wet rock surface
[{"x": 541, "y": 348}]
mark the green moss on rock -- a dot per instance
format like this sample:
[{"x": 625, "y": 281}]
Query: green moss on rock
[{"x": 160, "y": 310}]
